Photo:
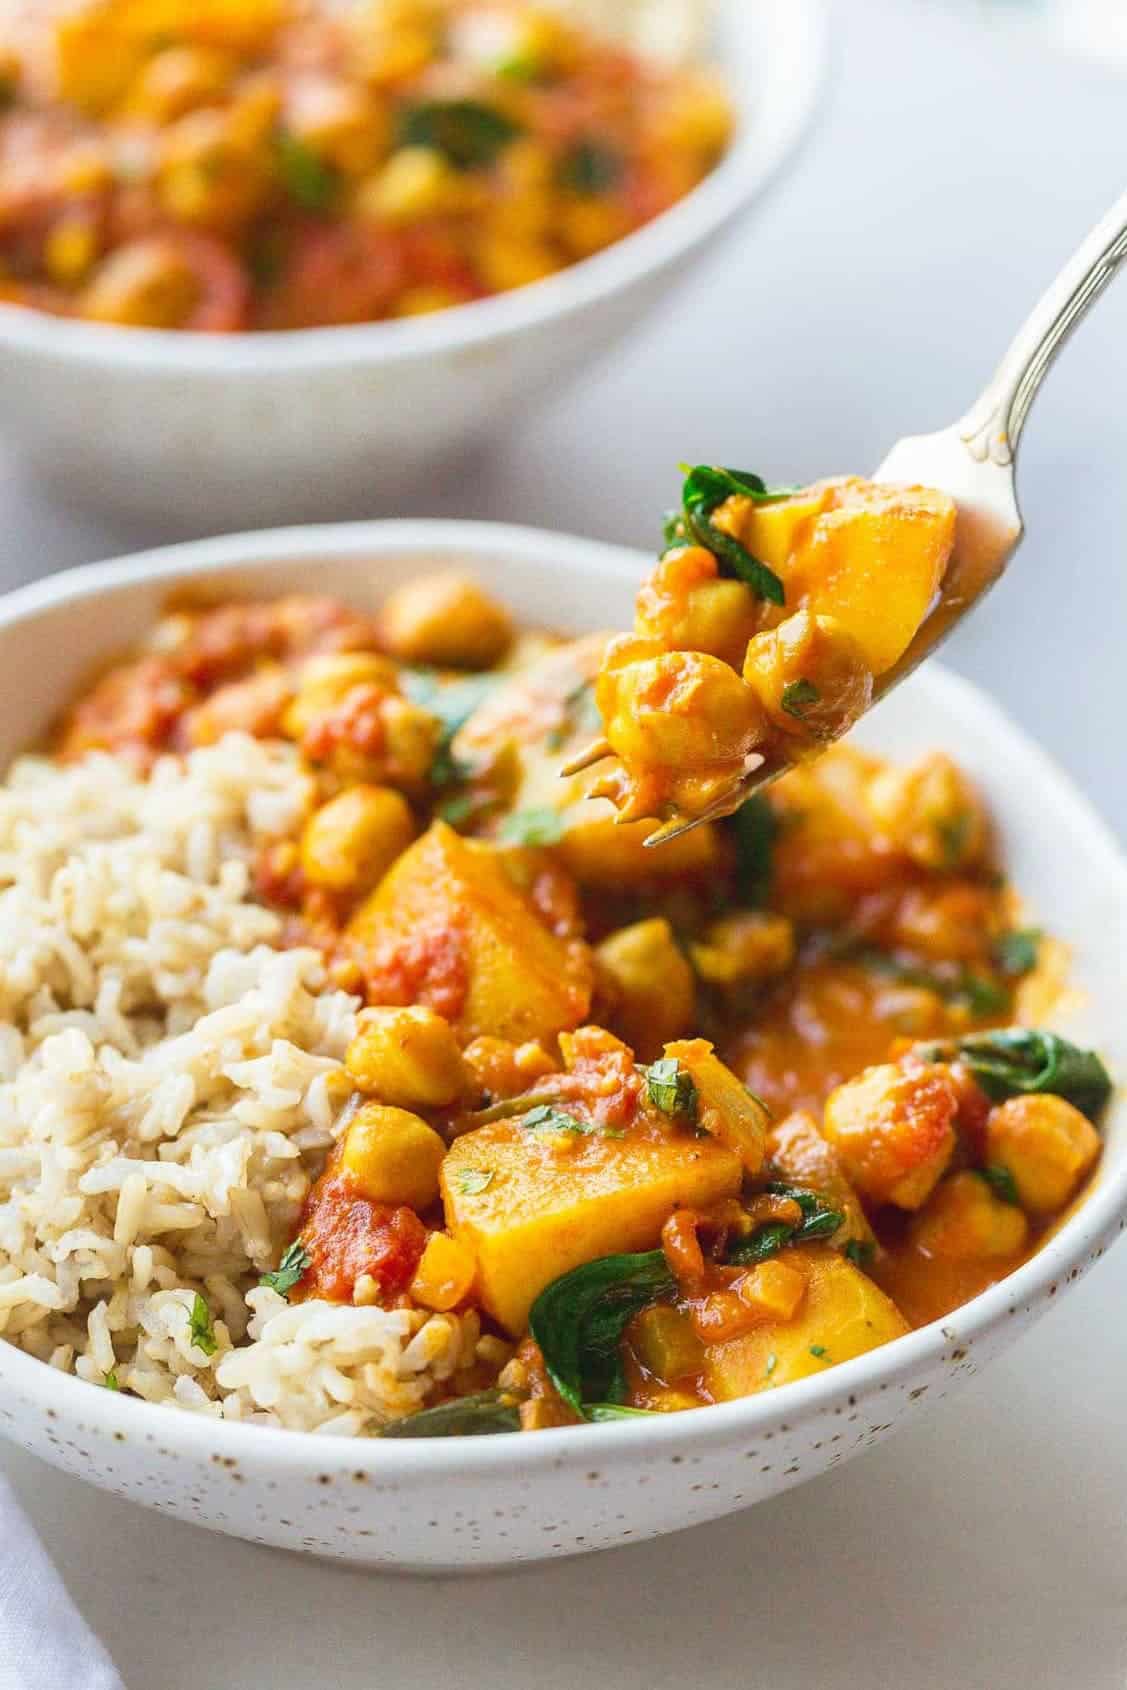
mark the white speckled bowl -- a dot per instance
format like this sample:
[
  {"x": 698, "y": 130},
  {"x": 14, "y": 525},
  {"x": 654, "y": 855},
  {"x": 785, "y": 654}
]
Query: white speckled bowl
[
  {"x": 229, "y": 430},
  {"x": 458, "y": 1504}
]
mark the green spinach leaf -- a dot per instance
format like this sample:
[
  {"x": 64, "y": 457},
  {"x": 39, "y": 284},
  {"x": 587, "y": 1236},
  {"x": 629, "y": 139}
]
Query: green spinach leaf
[
  {"x": 579, "y": 1319},
  {"x": 484, "y": 1414},
  {"x": 706, "y": 487},
  {"x": 755, "y": 826},
  {"x": 1015, "y": 1061},
  {"x": 308, "y": 180},
  {"x": 468, "y": 133}
]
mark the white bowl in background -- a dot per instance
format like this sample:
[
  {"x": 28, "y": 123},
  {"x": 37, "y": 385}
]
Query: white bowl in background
[
  {"x": 460, "y": 1504},
  {"x": 217, "y": 430}
]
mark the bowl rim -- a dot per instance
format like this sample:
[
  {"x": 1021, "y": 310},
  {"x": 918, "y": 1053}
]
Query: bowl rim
[
  {"x": 796, "y": 56},
  {"x": 1084, "y": 1233}
]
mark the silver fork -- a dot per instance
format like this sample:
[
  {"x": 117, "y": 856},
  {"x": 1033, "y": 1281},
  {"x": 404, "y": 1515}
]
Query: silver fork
[{"x": 973, "y": 461}]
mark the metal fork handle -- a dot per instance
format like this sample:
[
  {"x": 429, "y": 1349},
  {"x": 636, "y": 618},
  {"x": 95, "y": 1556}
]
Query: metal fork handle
[{"x": 992, "y": 427}]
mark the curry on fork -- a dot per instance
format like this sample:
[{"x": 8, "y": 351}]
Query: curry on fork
[{"x": 363, "y": 1071}]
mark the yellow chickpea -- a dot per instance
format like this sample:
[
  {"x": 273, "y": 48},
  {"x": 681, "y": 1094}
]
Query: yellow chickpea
[
  {"x": 392, "y": 1156},
  {"x": 811, "y": 677},
  {"x": 179, "y": 78},
  {"x": 931, "y": 812},
  {"x": 964, "y": 1219},
  {"x": 340, "y": 122},
  {"x": 744, "y": 949},
  {"x": 416, "y": 182},
  {"x": 685, "y": 605},
  {"x": 412, "y": 736},
  {"x": 678, "y": 710},
  {"x": 208, "y": 176},
  {"x": 408, "y": 1057},
  {"x": 349, "y": 844},
  {"x": 446, "y": 620},
  {"x": 650, "y": 984},
  {"x": 145, "y": 284},
  {"x": 504, "y": 1069},
  {"x": 325, "y": 681},
  {"x": 1045, "y": 1144},
  {"x": 507, "y": 261}
]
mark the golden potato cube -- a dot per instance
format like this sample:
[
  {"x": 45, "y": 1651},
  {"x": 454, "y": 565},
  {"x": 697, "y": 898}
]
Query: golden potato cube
[
  {"x": 726, "y": 1108},
  {"x": 449, "y": 906},
  {"x": 533, "y": 1206},
  {"x": 1046, "y": 1144},
  {"x": 772, "y": 532},
  {"x": 873, "y": 560},
  {"x": 842, "y": 1315},
  {"x": 445, "y": 1273}
]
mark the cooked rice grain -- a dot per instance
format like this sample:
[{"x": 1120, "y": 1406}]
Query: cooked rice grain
[{"x": 168, "y": 1087}]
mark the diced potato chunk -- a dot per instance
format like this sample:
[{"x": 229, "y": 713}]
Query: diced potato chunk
[
  {"x": 842, "y": 1315},
  {"x": 533, "y": 1206},
  {"x": 447, "y": 927},
  {"x": 726, "y": 1108},
  {"x": 1046, "y": 1144},
  {"x": 869, "y": 555},
  {"x": 893, "y": 1129},
  {"x": 964, "y": 1220},
  {"x": 445, "y": 1273}
]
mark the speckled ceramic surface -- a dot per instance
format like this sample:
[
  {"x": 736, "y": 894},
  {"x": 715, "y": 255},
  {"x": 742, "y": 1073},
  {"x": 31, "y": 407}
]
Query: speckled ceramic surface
[
  {"x": 231, "y": 430},
  {"x": 471, "y": 1503}
]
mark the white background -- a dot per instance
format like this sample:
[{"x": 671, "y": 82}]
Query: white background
[{"x": 986, "y": 1548}]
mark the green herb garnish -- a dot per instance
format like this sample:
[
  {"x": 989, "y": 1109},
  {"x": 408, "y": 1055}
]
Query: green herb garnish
[
  {"x": 546, "y": 1119},
  {"x": 468, "y": 133},
  {"x": 819, "y": 1351},
  {"x": 200, "y": 1327},
  {"x": 292, "y": 1267},
  {"x": 110, "y": 1380},
  {"x": 818, "y": 1221},
  {"x": 473, "y": 1181},
  {"x": 954, "y": 835},
  {"x": 981, "y": 995},
  {"x": 484, "y": 1414},
  {"x": 1001, "y": 1182},
  {"x": 453, "y": 703},
  {"x": 1015, "y": 953},
  {"x": 797, "y": 698},
  {"x": 860, "y": 1252},
  {"x": 590, "y": 168},
  {"x": 1015, "y": 1061},
  {"x": 308, "y": 180},
  {"x": 532, "y": 827},
  {"x": 671, "y": 1088}
]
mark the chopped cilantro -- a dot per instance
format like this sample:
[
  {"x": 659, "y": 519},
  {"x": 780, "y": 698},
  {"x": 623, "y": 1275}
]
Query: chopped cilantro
[
  {"x": 307, "y": 179},
  {"x": 954, "y": 833},
  {"x": 292, "y": 1267},
  {"x": 671, "y": 1088},
  {"x": 860, "y": 1252},
  {"x": 545, "y": 1118},
  {"x": 755, "y": 826},
  {"x": 110, "y": 1380},
  {"x": 1016, "y": 952},
  {"x": 200, "y": 1327},
  {"x": 590, "y": 168},
  {"x": 541, "y": 826},
  {"x": 455, "y": 811},
  {"x": 819, "y": 1350},
  {"x": 797, "y": 698},
  {"x": 1001, "y": 1182},
  {"x": 468, "y": 133},
  {"x": 473, "y": 1181}
]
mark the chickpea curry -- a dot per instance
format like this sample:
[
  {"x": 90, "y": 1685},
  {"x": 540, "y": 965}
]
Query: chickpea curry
[
  {"x": 681, "y": 1125},
  {"x": 224, "y": 165}
]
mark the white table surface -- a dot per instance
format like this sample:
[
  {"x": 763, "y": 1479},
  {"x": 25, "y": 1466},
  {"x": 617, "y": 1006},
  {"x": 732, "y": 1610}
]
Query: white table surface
[{"x": 985, "y": 1548}]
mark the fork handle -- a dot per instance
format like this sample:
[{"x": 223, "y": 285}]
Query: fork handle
[{"x": 992, "y": 427}]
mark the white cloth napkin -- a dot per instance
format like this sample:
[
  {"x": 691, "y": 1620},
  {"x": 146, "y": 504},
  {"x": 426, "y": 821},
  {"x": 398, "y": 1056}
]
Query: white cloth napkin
[{"x": 44, "y": 1642}]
